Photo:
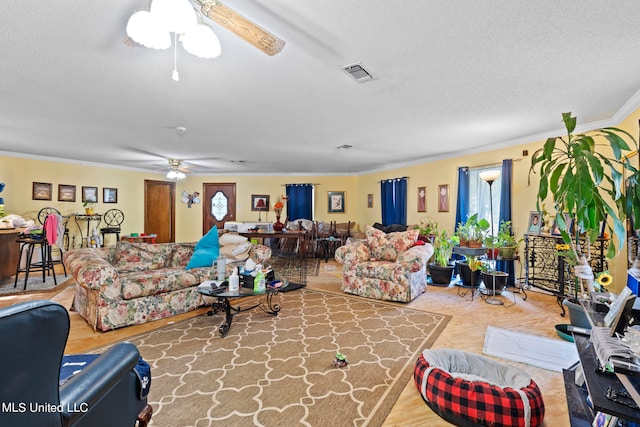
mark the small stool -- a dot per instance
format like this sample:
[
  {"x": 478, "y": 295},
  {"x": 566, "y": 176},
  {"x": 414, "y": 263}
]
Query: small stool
[
  {"x": 46, "y": 261},
  {"x": 327, "y": 247}
]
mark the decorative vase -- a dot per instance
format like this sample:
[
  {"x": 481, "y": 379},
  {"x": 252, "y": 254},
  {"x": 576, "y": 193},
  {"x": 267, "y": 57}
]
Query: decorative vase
[
  {"x": 278, "y": 226},
  {"x": 89, "y": 211}
]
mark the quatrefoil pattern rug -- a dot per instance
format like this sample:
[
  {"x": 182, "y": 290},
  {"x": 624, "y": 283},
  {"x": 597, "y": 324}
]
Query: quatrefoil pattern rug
[{"x": 279, "y": 371}]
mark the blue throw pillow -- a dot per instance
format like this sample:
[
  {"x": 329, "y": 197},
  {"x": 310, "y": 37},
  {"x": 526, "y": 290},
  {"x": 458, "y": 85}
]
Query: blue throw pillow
[{"x": 206, "y": 251}]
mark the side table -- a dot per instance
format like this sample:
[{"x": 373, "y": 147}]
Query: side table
[
  {"x": 223, "y": 303},
  {"x": 88, "y": 219},
  {"x": 327, "y": 247}
]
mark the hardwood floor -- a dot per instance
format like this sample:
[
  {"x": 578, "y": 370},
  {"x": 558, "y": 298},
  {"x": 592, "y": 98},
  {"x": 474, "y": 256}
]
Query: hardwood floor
[{"x": 537, "y": 315}]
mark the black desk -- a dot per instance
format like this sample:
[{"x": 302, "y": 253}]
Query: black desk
[{"x": 597, "y": 385}]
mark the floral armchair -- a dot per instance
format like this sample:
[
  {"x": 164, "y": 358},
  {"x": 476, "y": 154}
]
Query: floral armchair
[{"x": 385, "y": 266}]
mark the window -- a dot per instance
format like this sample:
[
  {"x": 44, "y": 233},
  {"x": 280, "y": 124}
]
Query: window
[{"x": 479, "y": 195}]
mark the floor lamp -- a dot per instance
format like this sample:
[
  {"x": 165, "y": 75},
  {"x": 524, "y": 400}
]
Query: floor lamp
[{"x": 490, "y": 176}]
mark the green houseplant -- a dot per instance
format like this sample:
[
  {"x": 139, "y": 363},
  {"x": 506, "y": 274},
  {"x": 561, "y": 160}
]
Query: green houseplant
[
  {"x": 506, "y": 240},
  {"x": 472, "y": 232},
  {"x": 441, "y": 270},
  {"x": 428, "y": 228},
  {"x": 583, "y": 173}
]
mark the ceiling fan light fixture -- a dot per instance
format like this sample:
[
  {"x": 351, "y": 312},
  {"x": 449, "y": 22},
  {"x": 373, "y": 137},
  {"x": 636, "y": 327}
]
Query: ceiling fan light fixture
[
  {"x": 202, "y": 42},
  {"x": 144, "y": 28},
  {"x": 175, "y": 174},
  {"x": 175, "y": 16}
]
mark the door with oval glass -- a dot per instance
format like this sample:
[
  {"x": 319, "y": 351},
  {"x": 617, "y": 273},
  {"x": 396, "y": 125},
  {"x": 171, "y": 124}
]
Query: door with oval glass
[{"x": 218, "y": 204}]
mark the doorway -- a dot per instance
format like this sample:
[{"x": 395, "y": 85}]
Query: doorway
[
  {"x": 218, "y": 205},
  {"x": 159, "y": 210}
]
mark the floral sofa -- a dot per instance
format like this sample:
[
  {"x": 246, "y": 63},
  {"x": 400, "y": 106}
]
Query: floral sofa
[
  {"x": 385, "y": 266},
  {"x": 134, "y": 283}
]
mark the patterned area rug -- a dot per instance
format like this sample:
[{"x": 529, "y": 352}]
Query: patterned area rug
[
  {"x": 279, "y": 371},
  {"x": 34, "y": 284}
]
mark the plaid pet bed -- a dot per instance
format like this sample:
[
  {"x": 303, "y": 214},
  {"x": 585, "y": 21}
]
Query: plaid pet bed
[{"x": 474, "y": 403}]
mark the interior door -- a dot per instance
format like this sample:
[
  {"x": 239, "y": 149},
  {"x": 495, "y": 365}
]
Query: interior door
[
  {"x": 159, "y": 210},
  {"x": 218, "y": 205}
]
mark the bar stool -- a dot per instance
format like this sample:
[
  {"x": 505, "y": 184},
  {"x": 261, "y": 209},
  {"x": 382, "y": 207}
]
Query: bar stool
[{"x": 31, "y": 243}]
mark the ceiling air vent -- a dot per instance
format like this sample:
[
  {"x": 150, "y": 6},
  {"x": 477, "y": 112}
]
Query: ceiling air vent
[{"x": 358, "y": 72}]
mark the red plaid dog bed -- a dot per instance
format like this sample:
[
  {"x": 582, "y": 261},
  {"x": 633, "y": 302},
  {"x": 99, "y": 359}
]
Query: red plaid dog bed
[{"x": 471, "y": 390}]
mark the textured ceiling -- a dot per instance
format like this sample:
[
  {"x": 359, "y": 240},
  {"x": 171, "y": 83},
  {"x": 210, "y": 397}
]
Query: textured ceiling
[{"x": 450, "y": 77}]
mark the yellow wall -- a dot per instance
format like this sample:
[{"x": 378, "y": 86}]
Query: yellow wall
[{"x": 19, "y": 173}]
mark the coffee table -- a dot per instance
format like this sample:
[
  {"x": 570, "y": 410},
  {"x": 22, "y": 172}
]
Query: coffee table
[{"x": 223, "y": 303}]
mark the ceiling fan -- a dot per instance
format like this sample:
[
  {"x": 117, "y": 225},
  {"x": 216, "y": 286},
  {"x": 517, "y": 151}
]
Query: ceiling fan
[
  {"x": 177, "y": 170},
  {"x": 241, "y": 26},
  {"x": 217, "y": 12}
]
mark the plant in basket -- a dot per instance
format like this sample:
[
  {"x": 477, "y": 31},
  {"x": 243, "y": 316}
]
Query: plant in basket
[{"x": 507, "y": 241}]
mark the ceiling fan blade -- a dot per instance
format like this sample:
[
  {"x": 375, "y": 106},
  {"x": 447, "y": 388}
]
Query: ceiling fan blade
[{"x": 238, "y": 24}]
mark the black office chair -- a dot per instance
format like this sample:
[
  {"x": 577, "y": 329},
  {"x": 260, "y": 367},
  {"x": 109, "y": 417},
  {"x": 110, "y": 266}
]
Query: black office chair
[
  {"x": 114, "y": 219},
  {"x": 105, "y": 393}
]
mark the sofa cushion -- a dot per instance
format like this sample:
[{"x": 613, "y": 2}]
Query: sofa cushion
[
  {"x": 145, "y": 283},
  {"x": 207, "y": 250},
  {"x": 140, "y": 256},
  {"x": 181, "y": 255},
  {"x": 387, "y": 247}
]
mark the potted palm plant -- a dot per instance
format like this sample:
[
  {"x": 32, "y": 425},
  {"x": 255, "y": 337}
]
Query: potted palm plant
[
  {"x": 441, "y": 270},
  {"x": 583, "y": 174}
]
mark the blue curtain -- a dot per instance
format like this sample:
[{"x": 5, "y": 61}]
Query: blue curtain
[
  {"x": 505, "y": 214},
  {"x": 299, "y": 201},
  {"x": 393, "y": 198},
  {"x": 462, "y": 201}
]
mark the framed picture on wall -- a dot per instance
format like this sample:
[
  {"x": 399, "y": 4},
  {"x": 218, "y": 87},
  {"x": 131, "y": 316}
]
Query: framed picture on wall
[
  {"x": 369, "y": 200},
  {"x": 66, "y": 193},
  {"x": 259, "y": 202},
  {"x": 422, "y": 199},
  {"x": 41, "y": 191},
  {"x": 109, "y": 195},
  {"x": 443, "y": 198},
  {"x": 335, "y": 201},
  {"x": 89, "y": 194}
]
